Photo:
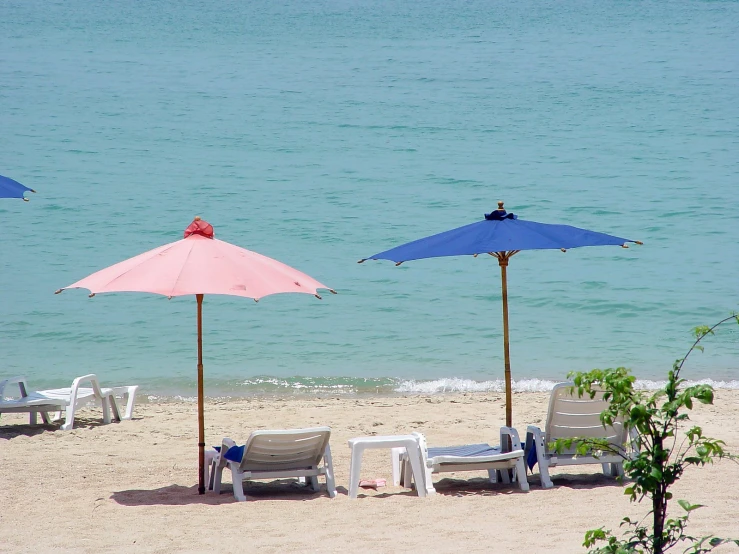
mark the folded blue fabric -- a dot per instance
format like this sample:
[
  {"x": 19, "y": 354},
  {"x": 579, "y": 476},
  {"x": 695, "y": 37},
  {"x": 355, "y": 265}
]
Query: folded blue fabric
[
  {"x": 235, "y": 453},
  {"x": 531, "y": 458},
  {"x": 468, "y": 450}
]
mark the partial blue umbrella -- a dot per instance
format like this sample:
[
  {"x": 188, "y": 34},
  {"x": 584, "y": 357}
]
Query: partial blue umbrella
[
  {"x": 502, "y": 235},
  {"x": 12, "y": 189}
]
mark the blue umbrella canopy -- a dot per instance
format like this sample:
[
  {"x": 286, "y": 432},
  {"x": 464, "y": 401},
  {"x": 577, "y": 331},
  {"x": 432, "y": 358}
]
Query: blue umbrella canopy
[
  {"x": 500, "y": 231},
  {"x": 502, "y": 235},
  {"x": 12, "y": 189}
]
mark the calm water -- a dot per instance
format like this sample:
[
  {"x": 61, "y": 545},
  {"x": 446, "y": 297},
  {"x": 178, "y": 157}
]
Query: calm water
[{"x": 322, "y": 132}]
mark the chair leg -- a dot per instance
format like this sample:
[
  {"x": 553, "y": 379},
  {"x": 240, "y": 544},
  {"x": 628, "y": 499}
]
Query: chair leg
[
  {"x": 493, "y": 475},
  {"x": 429, "y": 481},
  {"x": 606, "y": 469},
  {"x": 128, "y": 395},
  {"x": 314, "y": 483},
  {"x": 542, "y": 460},
  {"x": 406, "y": 474},
  {"x": 105, "y": 402},
  {"x": 209, "y": 468},
  {"x": 114, "y": 408},
  {"x": 329, "y": 468},
  {"x": 69, "y": 418},
  {"x": 546, "y": 481},
  {"x": 238, "y": 483},
  {"x": 216, "y": 477},
  {"x": 520, "y": 470},
  {"x": 415, "y": 460}
]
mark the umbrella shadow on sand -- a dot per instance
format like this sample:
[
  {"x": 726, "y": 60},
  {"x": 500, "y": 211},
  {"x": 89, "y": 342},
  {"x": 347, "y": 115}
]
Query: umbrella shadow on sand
[{"x": 178, "y": 495}]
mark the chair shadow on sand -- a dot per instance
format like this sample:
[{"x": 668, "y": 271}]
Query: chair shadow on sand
[
  {"x": 177, "y": 495},
  {"x": 481, "y": 486},
  {"x": 12, "y": 430}
]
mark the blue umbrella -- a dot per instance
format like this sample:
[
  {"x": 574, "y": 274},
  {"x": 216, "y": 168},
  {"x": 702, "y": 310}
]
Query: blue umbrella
[
  {"x": 502, "y": 235},
  {"x": 12, "y": 189}
]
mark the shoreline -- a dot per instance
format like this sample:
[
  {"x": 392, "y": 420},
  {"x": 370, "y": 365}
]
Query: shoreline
[{"x": 405, "y": 388}]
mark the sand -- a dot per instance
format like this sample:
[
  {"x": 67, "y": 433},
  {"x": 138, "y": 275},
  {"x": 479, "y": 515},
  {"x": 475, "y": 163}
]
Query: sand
[{"x": 132, "y": 486}]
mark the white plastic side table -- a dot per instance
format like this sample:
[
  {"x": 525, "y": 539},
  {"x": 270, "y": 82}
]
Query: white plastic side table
[{"x": 408, "y": 442}]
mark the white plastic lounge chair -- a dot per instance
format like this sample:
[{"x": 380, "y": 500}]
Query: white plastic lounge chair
[
  {"x": 571, "y": 416},
  {"x": 274, "y": 455},
  {"x": 66, "y": 399},
  {"x": 471, "y": 457}
]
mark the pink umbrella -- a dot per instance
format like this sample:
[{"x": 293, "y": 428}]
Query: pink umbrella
[{"x": 200, "y": 264}]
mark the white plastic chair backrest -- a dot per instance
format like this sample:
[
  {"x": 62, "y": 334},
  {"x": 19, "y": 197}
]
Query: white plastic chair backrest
[
  {"x": 573, "y": 416},
  {"x": 285, "y": 449}
]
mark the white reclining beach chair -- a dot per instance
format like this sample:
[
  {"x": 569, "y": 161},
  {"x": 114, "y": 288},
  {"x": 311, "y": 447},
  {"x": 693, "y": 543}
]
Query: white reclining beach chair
[
  {"x": 66, "y": 400},
  {"x": 274, "y": 455},
  {"x": 571, "y": 416},
  {"x": 471, "y": 457}
]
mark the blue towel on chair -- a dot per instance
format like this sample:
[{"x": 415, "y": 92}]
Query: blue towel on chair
[
  {"x": 467, "y": 451},
  {"x": 531, "y": 458},
  {"x": 233, "y": 454}
]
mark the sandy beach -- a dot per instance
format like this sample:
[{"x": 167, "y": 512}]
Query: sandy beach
[{"x": 132, "y": 486}]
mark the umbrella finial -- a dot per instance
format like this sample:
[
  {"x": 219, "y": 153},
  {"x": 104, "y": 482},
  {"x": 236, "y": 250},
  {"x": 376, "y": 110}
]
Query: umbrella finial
[
  {"x": 199, "y": 227},
  {"x": 499, "y": 214}
]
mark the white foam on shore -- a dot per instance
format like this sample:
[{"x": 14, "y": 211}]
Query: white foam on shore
[
  {"x": 527, "y": 385},
  {"x": 453, "y": 384}
]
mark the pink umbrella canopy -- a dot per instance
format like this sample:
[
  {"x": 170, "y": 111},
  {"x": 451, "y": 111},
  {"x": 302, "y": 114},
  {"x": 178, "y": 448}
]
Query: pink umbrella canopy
[{"x": 200, "y": 264}]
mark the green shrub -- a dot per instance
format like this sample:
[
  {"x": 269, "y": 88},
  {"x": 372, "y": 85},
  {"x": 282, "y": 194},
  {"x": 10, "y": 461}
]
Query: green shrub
[{"x": 666, "y": 445}]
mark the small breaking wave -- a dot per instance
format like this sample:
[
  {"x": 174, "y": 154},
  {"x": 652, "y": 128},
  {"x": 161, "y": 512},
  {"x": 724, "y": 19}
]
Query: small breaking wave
[
  {"x": 351, "y": 386},
  {"x": 453, "y": 384}
]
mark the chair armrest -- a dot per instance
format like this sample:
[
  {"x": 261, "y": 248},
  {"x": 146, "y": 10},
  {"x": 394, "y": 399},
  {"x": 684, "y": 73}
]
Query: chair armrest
[
  {"x": 92, "y": 379},
  {"x": 535, "y": 431},
  {"x": 128, "y": 393},
  {"x": 226, "y": 443},
  {"x": 512, "y": 434},
  {"x": 536, "y": 436},
  {"x": 18, "y": 380}
]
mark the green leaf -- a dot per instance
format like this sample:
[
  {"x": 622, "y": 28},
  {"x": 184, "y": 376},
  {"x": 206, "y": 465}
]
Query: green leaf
[{"x": 688, "y": 507}]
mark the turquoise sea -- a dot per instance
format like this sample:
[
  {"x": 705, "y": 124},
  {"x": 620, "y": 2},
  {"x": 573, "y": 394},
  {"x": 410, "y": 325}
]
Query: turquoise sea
[{"x": 321, "y": 132}]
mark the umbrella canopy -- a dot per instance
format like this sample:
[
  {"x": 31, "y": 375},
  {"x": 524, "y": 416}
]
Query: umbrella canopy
[
  {"x": 502, "y": 235},
  {"x": 12, "y": 189},
  {"x": 200, "y": 264}
]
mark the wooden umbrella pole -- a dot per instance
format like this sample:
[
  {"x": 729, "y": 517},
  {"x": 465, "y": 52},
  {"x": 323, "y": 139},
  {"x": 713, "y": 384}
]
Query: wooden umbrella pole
[
  {"x": 201, "y": 416},
  {"x": 503, "y": 262}
]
